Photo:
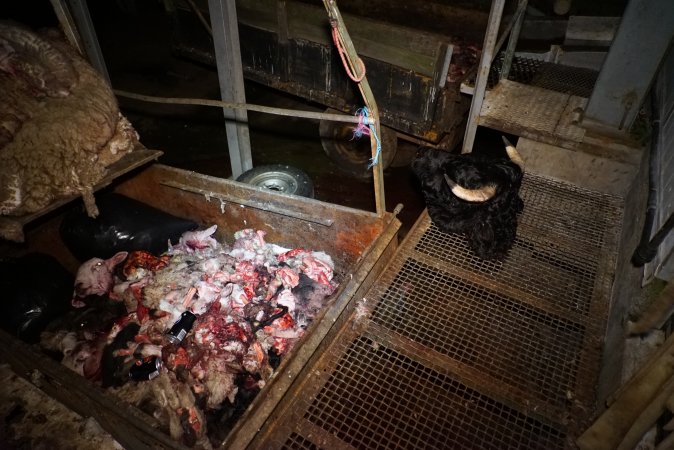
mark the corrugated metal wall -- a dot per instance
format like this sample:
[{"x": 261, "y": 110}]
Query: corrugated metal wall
[{"x": 664, "y": 95}]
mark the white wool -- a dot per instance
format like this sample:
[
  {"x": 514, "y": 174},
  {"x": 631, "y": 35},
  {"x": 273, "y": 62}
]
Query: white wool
[{"x": 286, "y": 298}]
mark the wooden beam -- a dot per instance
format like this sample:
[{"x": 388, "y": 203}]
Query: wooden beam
[{"x": 368, "y": 97}]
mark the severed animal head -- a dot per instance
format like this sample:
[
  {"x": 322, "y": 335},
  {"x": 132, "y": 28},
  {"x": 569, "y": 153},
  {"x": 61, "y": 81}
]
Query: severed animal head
[
  {"x": 473, "y": 194},
  {"x": 490, "y": 173},
  {"x": 96, "y": 276}
]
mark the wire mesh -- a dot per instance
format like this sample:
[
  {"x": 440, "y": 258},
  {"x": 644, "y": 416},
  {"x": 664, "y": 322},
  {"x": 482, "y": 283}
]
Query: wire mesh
[
  {"x": 449, "y": 351},
  {"x": 504, "y": 339},
  {"x": 378, "y": 398},
  {"x": 557, "y": 251},
  {"x": 297, "y": 442},
  {"x": 556, "y": 77}
]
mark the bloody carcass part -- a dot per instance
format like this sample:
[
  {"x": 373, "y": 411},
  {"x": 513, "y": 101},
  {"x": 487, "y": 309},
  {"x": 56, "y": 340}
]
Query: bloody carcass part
[
  {"x": 252, "y": 303},
  {"x": 96, "y": 277}
]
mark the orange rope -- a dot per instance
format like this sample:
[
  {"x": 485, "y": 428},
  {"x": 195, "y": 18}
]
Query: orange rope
[{"x": 340, "y": 47}]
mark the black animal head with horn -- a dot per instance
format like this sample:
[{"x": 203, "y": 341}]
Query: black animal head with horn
[{"x": 473, "y": 194}]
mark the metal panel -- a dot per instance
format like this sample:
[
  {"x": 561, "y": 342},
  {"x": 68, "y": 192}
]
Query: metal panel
[{"x": 359, "y": 242}]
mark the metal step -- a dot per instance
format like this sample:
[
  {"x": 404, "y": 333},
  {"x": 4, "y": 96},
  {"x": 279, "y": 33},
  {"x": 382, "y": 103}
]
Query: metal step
[
  {"x": 536, "y": 113},
  {"x": 449, "y": 351},
  {"x": 540, "y": 100}
]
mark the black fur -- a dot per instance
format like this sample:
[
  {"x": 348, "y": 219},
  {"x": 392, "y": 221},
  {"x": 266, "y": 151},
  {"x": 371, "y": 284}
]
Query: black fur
[{"x": 489, "y": 226}]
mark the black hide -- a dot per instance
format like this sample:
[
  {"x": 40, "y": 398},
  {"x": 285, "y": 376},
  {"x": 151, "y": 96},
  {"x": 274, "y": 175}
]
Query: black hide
[{"x": 489, "y": 226}]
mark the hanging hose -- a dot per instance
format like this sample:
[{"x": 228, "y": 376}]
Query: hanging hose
[
  {"x": 648, "y": 248},
  {"x": 645, "y": 252}
]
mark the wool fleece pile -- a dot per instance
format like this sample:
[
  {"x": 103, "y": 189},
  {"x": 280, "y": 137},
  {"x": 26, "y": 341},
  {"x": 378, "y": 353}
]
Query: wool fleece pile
[{"x": 60, "y": 125}]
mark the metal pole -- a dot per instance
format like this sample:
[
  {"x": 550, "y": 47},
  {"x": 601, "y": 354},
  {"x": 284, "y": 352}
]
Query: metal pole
[
  {"x": 230, "y": 75},
  {"x": 68, "y": 25},
  {"x": 80, "y": 12},
  {"x": 512, "y": 40},
  {"x": 483, "y": 73}
]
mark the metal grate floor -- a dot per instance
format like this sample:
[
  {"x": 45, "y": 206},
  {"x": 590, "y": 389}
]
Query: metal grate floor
[{"x": 448, "y": 351}]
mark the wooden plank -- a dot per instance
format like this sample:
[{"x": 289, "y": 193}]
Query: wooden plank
[
  {"x": 128, "y": 425},
  {"x": 623, "y": 423},
  {"x": 129, "y": 162}
]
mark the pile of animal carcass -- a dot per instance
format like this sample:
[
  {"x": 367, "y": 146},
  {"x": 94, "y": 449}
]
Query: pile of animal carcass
[
  {"x": 60, "y": 125},
  {"x": 202, "y": 326}
]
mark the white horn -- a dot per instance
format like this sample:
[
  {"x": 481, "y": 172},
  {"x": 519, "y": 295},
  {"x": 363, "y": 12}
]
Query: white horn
[
  {"x": 471, "y": 195},
  {"x": 513, "y": 154}
]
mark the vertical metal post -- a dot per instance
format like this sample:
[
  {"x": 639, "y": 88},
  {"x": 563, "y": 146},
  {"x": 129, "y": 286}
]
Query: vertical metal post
[
  {"x": 488, "y": 46},
  {"x": 68, "y": 25},
  {"x": 80, "y": 12},
  {"x": 512, "y": 40},
  {"x": 230, "y": 75},
  {"x": 368, "y": 98},
  {"x": 642, "y": 40}
]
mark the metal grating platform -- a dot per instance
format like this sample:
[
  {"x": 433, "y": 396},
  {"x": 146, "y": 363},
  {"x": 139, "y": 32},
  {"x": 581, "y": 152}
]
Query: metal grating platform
[
  {"x": 448, "y": 351},
  {"x": 533, "y": 112}
]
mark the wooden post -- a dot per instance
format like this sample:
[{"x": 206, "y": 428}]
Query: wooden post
[{"x": 370, "y": 103}]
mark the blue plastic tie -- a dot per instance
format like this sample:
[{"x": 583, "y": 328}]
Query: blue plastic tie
[{"x": 361, "y": 130}]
